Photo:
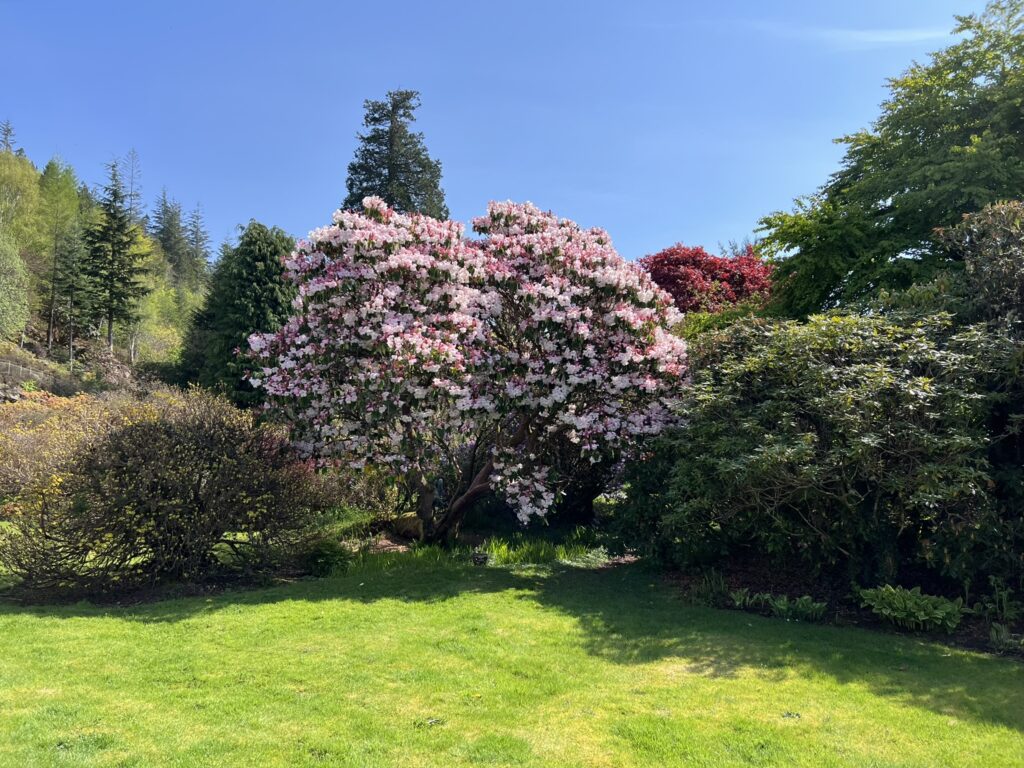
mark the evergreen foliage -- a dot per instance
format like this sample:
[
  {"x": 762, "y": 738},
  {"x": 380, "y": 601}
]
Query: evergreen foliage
[
  {"x": 392, "y": 162},
  {"x": 247, "y": 293},
  {"x": 113, "y": 264}
]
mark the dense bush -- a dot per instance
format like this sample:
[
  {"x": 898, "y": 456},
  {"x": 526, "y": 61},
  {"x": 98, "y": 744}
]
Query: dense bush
[
  {"x": 151, "y": 489},
  {"x": 701, "y": 282},
  {"x": 856, "y": 445}
]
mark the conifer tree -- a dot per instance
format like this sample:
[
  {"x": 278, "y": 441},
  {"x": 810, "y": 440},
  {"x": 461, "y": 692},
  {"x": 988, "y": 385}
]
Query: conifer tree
[
  {"x": 6, "y": 136},
  {"x": 167, "y": 229},
  {"x": 248, "y": 293},
  {"x": 113, "y": 264},
  {"x": 131, "y": 171},
  {"x": 198, "y": 248},
  {"x": 59, "y": 209},
  {"x": 392, "y": 162}
]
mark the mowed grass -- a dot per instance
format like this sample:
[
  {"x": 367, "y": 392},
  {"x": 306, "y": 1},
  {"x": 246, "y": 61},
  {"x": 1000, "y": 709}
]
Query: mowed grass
[{"x": 412, "y": 660}]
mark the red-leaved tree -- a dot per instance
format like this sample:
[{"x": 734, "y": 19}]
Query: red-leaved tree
[{"x": 701, "y": 282}]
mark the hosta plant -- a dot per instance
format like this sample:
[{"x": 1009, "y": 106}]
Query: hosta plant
[{"x": 910, "y": 609}]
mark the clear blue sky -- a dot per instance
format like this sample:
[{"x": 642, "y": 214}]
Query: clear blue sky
[{"x": 659, "y": 121}]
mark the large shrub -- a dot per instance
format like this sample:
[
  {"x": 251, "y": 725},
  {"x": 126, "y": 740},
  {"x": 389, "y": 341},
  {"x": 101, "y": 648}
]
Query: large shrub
[
  {"x": 854, "y": 444},
  {"x": 466, "y": 366},
  {"x": 149, "y": 491}
]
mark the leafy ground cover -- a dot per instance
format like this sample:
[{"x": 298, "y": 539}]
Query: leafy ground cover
[{"x": 413, "y": 659}]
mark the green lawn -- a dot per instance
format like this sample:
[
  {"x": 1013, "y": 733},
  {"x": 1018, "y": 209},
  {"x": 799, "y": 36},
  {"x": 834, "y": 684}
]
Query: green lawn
[{"x": 430, "y": 664}]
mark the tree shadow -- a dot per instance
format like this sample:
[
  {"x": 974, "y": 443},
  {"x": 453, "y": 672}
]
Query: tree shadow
[{"x": 628, "y": 616}]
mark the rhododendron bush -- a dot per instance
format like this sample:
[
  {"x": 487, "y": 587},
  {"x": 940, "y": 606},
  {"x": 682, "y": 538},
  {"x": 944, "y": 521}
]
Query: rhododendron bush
[
  {"x": 469, "y": 366},
  {"x": 701, "y": 282}
]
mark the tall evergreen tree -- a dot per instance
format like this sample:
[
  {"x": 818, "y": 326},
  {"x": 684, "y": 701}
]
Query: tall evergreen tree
[
  {"x": 198, "y": 247},
  {"x": 6, "y": 137},
  {"x": 59, "y": 211},
  {"x": 131, "y": 171},
  {"x": 113, "y": 264},
  {"x": 392, "y": 162},
  {"x": 167, "y": 229},
  {"x": 248, "y": 293}
]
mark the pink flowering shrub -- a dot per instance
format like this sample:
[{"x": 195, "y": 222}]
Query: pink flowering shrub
[{"x": 464, "y": 366}]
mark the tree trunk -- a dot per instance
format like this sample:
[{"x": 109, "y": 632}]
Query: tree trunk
[
  {"x": 53, "y": 301},
  {"x": 425, "y": 510},
  {"x": 446, "y": 527}
]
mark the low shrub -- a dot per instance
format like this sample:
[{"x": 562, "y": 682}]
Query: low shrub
[
  {"x": 324, "y": 557},
  {"x": 151, "y": 489},
  {"x": 910, "y": 609},
  {"x": 709, "y": 590},
  {"x": 1000, "y": 605},
  {"x": 1002, "y": 640}
]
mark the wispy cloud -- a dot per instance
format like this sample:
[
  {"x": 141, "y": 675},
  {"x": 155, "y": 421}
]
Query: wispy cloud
[{"x": 853, "y": 39}]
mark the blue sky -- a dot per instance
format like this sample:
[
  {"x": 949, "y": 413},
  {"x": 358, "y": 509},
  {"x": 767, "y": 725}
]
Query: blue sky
[{"x": 659, "y": 121}]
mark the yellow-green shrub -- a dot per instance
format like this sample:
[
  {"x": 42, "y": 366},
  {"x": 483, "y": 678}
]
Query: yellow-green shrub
[{"x": 149, "y": 490}]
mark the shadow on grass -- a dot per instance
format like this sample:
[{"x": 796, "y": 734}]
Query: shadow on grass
[{"x": 628, "y": 616}]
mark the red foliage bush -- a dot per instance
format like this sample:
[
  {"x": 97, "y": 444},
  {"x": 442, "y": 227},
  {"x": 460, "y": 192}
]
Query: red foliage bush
[{"x": 699, "y": 281}]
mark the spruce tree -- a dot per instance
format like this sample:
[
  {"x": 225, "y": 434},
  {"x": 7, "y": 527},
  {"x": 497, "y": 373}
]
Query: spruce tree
[
  {"x": 113, "y": 264},
  {"x": 392, "y": 162},
  {"x": 6, "y": 137},
  {"x": 248, "y": 293},
  {"x": 198, "y": 248},
  {"x": 131, "y": 171},
  {"x": 167, "y": 229}
]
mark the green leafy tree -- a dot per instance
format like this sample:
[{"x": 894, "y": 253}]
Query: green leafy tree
[
  {"x": 949, "y": 140},
  {"x": 59, "y": 213},
  {"x": 247, "y": 293},
  {"x": 13, "y": 290},
  {"x": 392, "y": 162},
  {"x": 114, "y": 262},
  {"x": 19, "y": 212}
]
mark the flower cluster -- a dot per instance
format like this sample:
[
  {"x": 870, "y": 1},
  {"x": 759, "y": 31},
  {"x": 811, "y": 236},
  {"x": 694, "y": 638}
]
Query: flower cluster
[
  {"x": 699, "y": 281},
  {"x": 470, "y": 361}
]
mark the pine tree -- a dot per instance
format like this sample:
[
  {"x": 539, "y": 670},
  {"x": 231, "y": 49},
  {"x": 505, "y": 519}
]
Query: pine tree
[
  {"x": 131, "y": 170},
  {"x": 113, "y": 263},
  {"x": 198, "y": 248},
  {"x": 167, "y": 229},
  {"x": 6, "y": 137},
  {"x": 392, "y": 162},
  {"x": 73, "y": 287},
  {"x": 248, "y": 293}
]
